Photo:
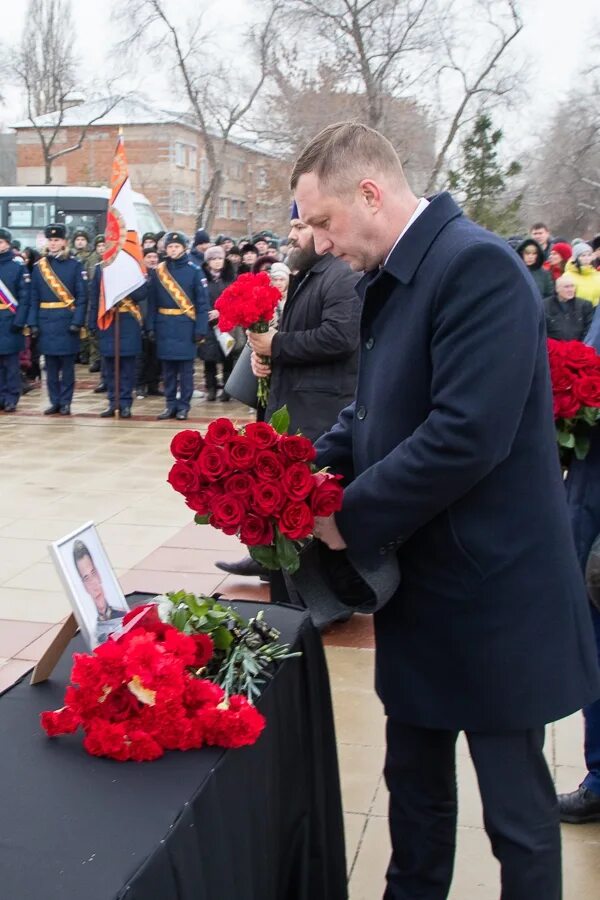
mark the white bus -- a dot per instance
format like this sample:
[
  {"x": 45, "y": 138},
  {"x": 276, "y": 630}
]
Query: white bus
[{"x": 25, "y": 211}]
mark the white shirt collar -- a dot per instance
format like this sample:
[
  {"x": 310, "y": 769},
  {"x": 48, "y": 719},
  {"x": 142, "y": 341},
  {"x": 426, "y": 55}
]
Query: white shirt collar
[{"x": 421, "y": 206}]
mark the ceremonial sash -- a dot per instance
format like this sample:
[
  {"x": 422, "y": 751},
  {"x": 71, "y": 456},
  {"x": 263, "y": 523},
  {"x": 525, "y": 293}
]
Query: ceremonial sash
[
  {"x": 175, "y": 292},
  {"x": 56, "y": 286},
  {"x": 7, "y": 298},
  {"x": 128, "y": 306}
]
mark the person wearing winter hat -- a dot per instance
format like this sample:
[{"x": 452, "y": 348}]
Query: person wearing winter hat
[
  {"x": 533, "y": 256},
  {"x": 15, "y": 287},
  {"x": 199, "y": 246},
  {"x": 249, "y": 257},
  {"x": 234, "y": 256},
  {"x": 585, "y": 276},
  {"x": 220, "y": 273},
  {"x": 148, "y": 241},
  {"x": 558, "y": 257}
]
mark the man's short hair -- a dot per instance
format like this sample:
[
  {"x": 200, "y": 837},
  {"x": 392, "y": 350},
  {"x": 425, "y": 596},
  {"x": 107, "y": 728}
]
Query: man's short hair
[
  {"x": 80, "y": 551},
  {"x": 537, "y": 225},
  {"x": 563, "y": 279},
  {"x": 345, "y": 153}
]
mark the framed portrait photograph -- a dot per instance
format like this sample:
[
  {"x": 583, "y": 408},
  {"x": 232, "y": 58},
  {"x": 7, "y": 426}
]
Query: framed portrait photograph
[{"x": 91, "y": 584}]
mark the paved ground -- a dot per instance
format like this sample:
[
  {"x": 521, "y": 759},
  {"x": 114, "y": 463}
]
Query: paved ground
[{"x": 56, "y": 473}]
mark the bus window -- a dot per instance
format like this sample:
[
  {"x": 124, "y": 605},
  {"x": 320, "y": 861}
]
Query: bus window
[
  {"x": 147, "y": 220},
  {"x": 22, "y": 214},
  {"x": 88, "y": 222}
]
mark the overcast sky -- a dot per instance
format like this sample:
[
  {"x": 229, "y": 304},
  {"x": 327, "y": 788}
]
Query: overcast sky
[{"x": 556, "y": 37}]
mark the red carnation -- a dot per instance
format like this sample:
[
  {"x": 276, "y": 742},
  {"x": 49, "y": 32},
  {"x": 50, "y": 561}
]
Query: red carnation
[
  {"x": 200, "y": 692},
  {"x": 297, "y": 448},
  {"x": 261, "y": 434},
  {"x": 187, "y": 444},
  {"x": 183, "y": 477},
  {"x": 236, "y": 725},
  {"x": 242, "y": 453},
  {"x": 298, "y": 481},
  {"x": 212, "y": 464},
  {"x": 60, "y": 721},
  {"x": 296, "y": 521},
  {"x": 204, "y": 650},
  {"x": 256, "y": 531},
  {"x": 220, "y": 432},
  {"x": 107, "y": 739},
  {"x": 268, "y": 466},
  {"x": 328, "y": 494},
  {"x": 143, "y": 747},
  {"x": 227, "y": 513}
]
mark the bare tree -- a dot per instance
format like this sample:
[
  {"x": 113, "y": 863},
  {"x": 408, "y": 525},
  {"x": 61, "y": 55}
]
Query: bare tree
[
  {"x": 198, "y": 73},
  {"x": 481, "y": 80},
  {"x": 46, "y": 65}
]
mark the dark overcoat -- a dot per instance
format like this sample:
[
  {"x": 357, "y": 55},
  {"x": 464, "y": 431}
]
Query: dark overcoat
[
  {"x": 315, "y": 352},
  {"x": 176, "y": 334},
  {"x": 130, "y": 330},
  {"x": 55, "y": 338},
  {"x": 450, "y": 456},
  {"x": 18, "y": 281},
  {"x": 210, "y": 350}
]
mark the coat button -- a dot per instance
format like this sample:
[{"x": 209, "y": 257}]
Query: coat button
[
  {"x": 370, "y": 343},
  {"x": 361, "y": 413}
]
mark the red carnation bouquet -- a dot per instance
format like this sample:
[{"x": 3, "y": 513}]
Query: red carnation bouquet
[
  {"x": 182, "y": 673},
  {"x": 250, "y": 303},
  {"x": 256, "y": 482},
  {"x": 575, "y": 373}
]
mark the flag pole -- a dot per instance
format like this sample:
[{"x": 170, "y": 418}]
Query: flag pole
[{"x": 118, "y": 344}]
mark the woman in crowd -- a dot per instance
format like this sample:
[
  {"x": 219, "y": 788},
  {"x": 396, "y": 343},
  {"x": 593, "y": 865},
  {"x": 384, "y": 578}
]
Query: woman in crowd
[
  {"x": 585, "y": 276},
  {"x": 559, "y": 256},
  {"x": 219, "y": 275},
  {"x": 533, "y": 256}
]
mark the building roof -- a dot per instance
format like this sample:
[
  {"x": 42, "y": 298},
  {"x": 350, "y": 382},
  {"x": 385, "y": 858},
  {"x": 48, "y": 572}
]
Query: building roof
[{"x": 127, "y": 111}]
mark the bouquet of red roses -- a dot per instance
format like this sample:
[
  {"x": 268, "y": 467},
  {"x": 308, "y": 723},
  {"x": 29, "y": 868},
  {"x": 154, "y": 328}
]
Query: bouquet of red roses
[
  {"x": 257, "y": 482},
  {"x": 250, "y": 302},
  {"x": 575, "y": 373}
]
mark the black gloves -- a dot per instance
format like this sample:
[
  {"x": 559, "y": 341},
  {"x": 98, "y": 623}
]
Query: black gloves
[{"x": 74, "y": 329}]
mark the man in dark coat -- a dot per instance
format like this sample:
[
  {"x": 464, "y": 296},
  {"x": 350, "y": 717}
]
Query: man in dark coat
[
  {"x": 178, "y": 321},
  {"x": 58, "y": 313},
  {"x": 130, "y": 344},
  {"x": 450, "y": 462},
  {"x": 314, "y": 353},
  {"x": 567, "y": 317},
  {"x": 15, "y": 283}
]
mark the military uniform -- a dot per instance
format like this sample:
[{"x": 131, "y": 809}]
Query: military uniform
[
  {"x": 58, "y": 310},
  {"x": 14, "y": 309},
  {"x": 130, "y": 343},
  {"x": 108, "y": 623},
  {"x": 178, "y": 319}
]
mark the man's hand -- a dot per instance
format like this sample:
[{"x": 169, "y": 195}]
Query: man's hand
[
  {"x": 213, "y": 315},
  {"x": 327, "y": 531},
  {"x": 258, "y": 368},
  {"x": 261, "y": 343}
]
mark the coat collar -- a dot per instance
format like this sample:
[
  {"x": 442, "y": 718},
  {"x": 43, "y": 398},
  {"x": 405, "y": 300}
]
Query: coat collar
[{"x": 409, "y": 252}]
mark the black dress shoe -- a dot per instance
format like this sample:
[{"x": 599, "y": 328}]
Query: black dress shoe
[
  {"x": 245, "y": 567},
  {"x": 211, "y": 395},
  {"x": 155, "y": 392},
  {"x": 579, "y": 806},
  {"x": 2, "y": 404},
  {"x": 10, "y": 407},
  {"x": 224, "y": 397},
  {"x": 52, "y": 410},
  {"x": 167, "y": 414},
  {"x": 101, "y": 389},
  {"x": 65, "y": 410},
  {"x": 107, "y": 413},
  {"x": 181, "y": 415},
  {"x": 95, "y": 366},
  {"x": 125, "y": 412}
]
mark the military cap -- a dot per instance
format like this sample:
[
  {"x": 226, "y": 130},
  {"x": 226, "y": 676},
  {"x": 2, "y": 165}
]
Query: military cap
[
  {"x": 81, "y": 232},
  {"x": 99, "y": 239},
  {"x": 5, "y": 235},
  {"x": 55, "y": 231},
  {"x": 148, "y": 236},
  {"x": 175, "y": 237}
]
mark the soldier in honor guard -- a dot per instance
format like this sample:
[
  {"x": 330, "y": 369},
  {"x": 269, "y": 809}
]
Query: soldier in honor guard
[
  {"x": 178, "y": 321},
  {"x": 130, "y": 344},
  {"x": 57, "y": 313},
  {"x": 15, "y": 283}
]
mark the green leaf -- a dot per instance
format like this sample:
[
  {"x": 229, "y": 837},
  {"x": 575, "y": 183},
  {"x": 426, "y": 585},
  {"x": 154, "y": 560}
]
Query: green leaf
[
  {"x": 582, "y": 445},
  {"x": 201, "y": 520},
  {"x": 566, "y": 439},
  {"x": 222, "y": 639},
  {"x": 266, "y": 556},
  {"x": 280, "y": 420},
  {"x": 287, "y": 552}
]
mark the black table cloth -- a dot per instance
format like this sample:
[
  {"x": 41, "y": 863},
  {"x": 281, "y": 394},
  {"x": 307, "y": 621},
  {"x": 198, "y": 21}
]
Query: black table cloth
[{"x": 258, "y": 823}]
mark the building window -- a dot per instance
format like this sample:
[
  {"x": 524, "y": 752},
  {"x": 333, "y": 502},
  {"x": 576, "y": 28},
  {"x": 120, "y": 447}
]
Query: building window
[
  {"x": 262, "y": 179},
  {"x": 242, "y": 209},
  {"x": 192, "y": 201},
  {"x": 234, "y": 209},
  {"x": 223, "y": 208},
  {"x": 204, "y": 176},
  {"x": 180, "y": 201},
  {"x": 179, "y": 154},
  {"x": 192, "y": 158}
]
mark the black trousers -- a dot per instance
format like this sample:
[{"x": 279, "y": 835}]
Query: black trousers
[{"x": 519, "y": 804}]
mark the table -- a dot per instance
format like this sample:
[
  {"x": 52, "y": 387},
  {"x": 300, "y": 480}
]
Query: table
[{"x": 259, "y": 823}]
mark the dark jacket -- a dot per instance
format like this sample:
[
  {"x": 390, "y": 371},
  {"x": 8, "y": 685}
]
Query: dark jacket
[
  {"x": 55, "y": 337},
  {"x": 450, "y": 454},
  {"x": 176, "y": 334},
  {"x": 130, "y": 329},
  {"x": 542, "y": 277},
  {"x": 17, "y": 280},
  {"x": 210, "y": 350},
  {"x": 568, "y": 320},
  {"x": 314, "y": 354}
]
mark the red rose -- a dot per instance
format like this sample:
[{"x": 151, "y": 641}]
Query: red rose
[
  {"x": 183, "y": 477},
  {"x": 242, "y": 453},
  {"x": 587, "y": 390},
  {"x": 328, "y": 494},
  {"x": 268, "y": 466},
  {"x": 220, "y": 432},
  {"x": 562, "y": 379},
  {"x": 268, "y": 497},
  {"x": 256, "y": 530},
  {"x": 296, "y": 521},
  {"x": 261, "y": 434},
  {"x": 298, "y": 481},
  {"x": 577, "y": 354},
  {"x": 213, "y": 463},
  {"x": 227, "y": 513},
  {"x": 187, "y": 444},
  {"x": 297, "y": 448},
  {"x": 565, "y": 406},
  {"x": 239, "y": 484},
  {"x": 199, "y": 501}
]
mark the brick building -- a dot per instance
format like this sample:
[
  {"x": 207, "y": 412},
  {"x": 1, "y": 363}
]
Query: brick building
[{"x": 167, "y": 163}]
